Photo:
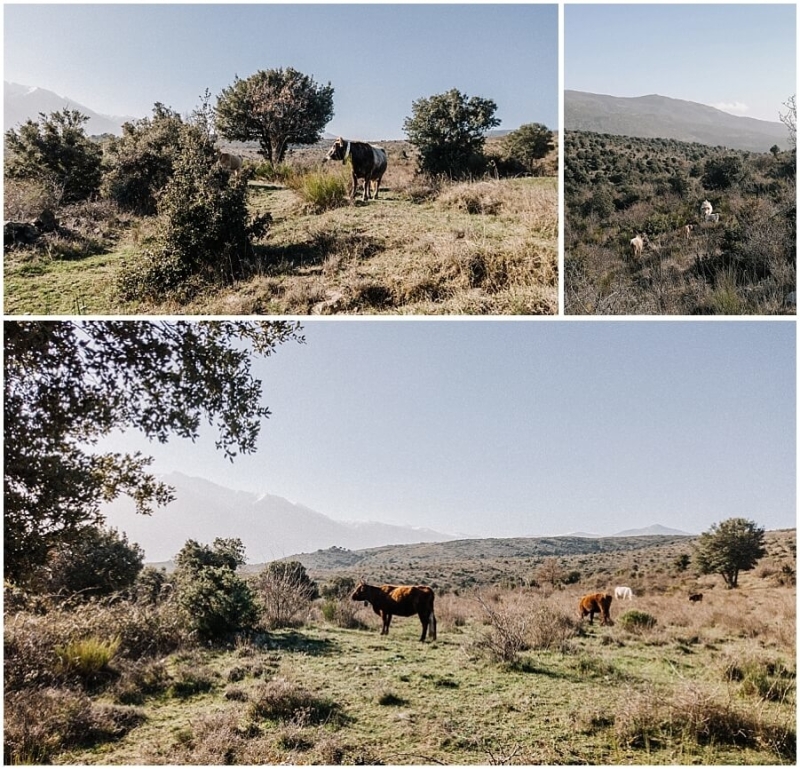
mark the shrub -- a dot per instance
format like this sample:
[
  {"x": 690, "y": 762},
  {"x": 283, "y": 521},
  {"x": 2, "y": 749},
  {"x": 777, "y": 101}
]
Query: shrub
[
  {"x": 215, "y": 600},
  {"x": 96, "y": 561},
  {"x": 633, "y": 619},
  {"x": 203, "y": 227},
  {"x": 507, "y": 635},
  {"x": 141, "y": 679},
  {"x": 142, "y": 160},
  {"x": 283, "y": 701},
  {"x": 286, "y": 592},
  {"x": 55, "y": 151},
  {"x": 40, "y": 724},
  {"x": 341, "y": 612}
]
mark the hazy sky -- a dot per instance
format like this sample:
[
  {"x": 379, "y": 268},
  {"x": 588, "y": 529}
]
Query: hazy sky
[
  {"x": 120, "y": 59},
  {"x": 738, "y": 58},
  {"x": 504, "y": 428}
]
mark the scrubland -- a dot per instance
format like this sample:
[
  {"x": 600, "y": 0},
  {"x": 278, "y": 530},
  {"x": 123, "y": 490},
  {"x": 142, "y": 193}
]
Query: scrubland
[{"x": 513, "y": 677}]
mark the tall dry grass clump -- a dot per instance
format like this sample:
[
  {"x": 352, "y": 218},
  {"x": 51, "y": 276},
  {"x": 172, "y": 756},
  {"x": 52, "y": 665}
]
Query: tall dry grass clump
[{"x": 321, "y": 191}]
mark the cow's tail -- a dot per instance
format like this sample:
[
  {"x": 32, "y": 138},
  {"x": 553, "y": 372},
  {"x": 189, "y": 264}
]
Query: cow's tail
[{"x": 432, "y": 629}]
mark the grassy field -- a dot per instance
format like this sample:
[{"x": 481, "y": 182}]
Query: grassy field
[
  {"x": 482, "y": 247},
  {"x": 513, "y": 677}
]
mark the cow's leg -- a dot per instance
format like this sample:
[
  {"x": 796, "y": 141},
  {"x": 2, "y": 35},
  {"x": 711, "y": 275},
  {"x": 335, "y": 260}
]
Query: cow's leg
[
  {"x": 424, "y": 620},
  {"x": 377, "y": 186},
  {"x": 366, "y": 187},
  {"x": 387, "y": 619},
  {"x": 355, "y": 187}
]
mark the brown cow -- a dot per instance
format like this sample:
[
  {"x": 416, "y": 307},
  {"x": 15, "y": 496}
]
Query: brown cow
[
  {"x": 596, "y": 603},
  {"x": 369, "y": 163},
  {"x": 695, "y": 597},
  {"x": 402, "y": 600}
]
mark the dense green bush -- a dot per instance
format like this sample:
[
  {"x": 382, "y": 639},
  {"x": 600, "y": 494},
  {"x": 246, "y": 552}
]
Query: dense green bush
[
  {"x": 97, "y": 561},
  {"x": 55, "y": 151},
  {"x": 216, "y": 602},
  {"x": 142, "y": 160},
  {"x": 204, "y": 231}
]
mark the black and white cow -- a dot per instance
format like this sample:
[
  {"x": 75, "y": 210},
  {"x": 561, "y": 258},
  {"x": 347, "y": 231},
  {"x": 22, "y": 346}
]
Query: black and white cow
[{"x": 369, "y": 163}]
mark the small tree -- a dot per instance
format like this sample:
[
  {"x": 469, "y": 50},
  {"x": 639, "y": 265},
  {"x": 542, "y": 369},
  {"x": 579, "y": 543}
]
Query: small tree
[
  {"x": 730, "y": 547},
  {"x": 215, "y": 600},
  {"x": 55, "y": 150},
  {"x": 96, "y": 561},
  {"x": 449, "y": 131},
  {"x": 275, "y": 107},
  {"x": 551, "y": 571},
  {"x": 529, "y": 143}
]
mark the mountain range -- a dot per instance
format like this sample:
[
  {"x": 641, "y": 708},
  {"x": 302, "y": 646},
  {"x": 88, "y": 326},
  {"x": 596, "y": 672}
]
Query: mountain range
[
  {"x": 23, "y": 102},
  {"x": 656, "y": 116},
  {"x": 269, "y": 526}
]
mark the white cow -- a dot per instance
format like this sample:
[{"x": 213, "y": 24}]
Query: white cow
[
  {"x": 637, "y": 245},
  {"x": 712, "y": 217},
  {"x": 705, "y": 209},
  {"x": 623, "y": 592}
]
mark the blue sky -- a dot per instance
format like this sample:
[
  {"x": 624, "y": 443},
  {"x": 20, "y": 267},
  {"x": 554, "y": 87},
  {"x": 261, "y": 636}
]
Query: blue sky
[
  {"x": 506, "y": 428},
  {"x": 120, "y": 59},
  {"x": 740, "y": 58}
]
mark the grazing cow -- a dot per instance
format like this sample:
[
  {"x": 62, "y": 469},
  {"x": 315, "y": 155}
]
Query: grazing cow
[
  {"x": 596, "y": 603},
  {"x": 369, "y": 163},
  {"x": 623, "y": 592},
  {"x": 695, "y": 597},
  {"x": 229, "y": 161},
  {"x": 637, "y": 245},
  {"x": 402, "y": 600}
]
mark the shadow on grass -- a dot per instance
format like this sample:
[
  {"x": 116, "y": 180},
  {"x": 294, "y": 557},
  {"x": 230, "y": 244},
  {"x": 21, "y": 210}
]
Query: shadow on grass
[
  {"x": 285, "y": 259},
  {"x": 294, "y": 641}
]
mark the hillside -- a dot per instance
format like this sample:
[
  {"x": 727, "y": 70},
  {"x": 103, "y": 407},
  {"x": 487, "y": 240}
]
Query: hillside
[
  {"x": 656, "y": 116},
  {"x": 618, "y": 187},
  {"x": 644, "y": 562}
]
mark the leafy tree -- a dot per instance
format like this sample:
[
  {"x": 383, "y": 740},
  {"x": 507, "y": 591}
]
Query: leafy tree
[
  {"x": 529, "y": 143},
  {"x": 275, "y": 107},
  {"x": 67, "y": 384},
  {"x": 96, "y": 561},
  {"x": 57, "y": 151},
  {"x": 730, "y": 547},
  {"x": 151, "y": 585},
  {"x": 215, "y": 599},
  {"x": 339, "y": 587},
  {"x": 682, "y": 562},
  {"x": 142, "y": 160},
  {"x": 449, "y": 131}
]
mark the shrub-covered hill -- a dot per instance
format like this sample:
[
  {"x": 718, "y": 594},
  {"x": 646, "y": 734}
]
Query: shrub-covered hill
[
  {"x": 616, "y": 187},
  {"x": 645, "y": 562}
]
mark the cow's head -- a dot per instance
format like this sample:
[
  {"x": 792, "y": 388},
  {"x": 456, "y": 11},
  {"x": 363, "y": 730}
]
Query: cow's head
[
  {"x": 360, "y": 593},
  {"x": 339, "y": 151}
]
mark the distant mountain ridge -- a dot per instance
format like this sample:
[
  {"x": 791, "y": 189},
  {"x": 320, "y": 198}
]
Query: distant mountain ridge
[
  {"x": 269, "y": 526},
  {"x": 23, "y": 102},
  {"x": 655, "y": 116}
]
